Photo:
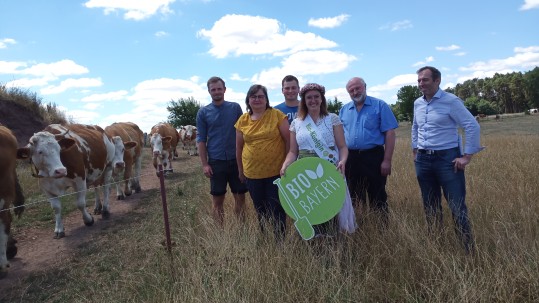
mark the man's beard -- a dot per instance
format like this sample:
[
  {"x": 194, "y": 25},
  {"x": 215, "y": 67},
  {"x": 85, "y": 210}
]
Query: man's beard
[{"x": 360, "y": 100}]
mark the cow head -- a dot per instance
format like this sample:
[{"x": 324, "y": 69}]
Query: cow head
[
  {"x": 160, "y": 145},
  {"x": 118, "y": 160},
  {"x": 161, "y": 149},
  {"x": 44, "y": 152},
  {"x": 190, "y": 132}
]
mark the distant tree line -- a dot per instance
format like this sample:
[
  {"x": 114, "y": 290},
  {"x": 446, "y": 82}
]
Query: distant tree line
[{"x": 503, "y": 93}]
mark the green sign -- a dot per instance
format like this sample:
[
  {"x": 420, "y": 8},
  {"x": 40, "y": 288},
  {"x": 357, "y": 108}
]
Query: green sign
[{"x": 311, "y": 192}]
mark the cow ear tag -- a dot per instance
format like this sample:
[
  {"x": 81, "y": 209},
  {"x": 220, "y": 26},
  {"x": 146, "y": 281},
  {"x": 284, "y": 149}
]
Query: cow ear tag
[{"x": 311, "y": 192}]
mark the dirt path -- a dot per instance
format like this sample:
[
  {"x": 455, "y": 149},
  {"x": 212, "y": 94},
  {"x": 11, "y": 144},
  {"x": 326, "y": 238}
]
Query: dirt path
[{"x": 38, "y": 251}]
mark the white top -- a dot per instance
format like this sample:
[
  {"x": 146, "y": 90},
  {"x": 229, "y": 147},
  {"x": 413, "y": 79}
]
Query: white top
[{"x": 325, "y": 128}]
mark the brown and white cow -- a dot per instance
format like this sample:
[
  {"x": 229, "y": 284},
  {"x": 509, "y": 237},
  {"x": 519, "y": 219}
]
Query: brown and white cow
[
  {"x": 163, "y": 140},
  {"x": 10, "y": 195},
  {"x": 73, "y": 155},
  {"x": 188, "y": 136},
  {"x": 132, "y": 138}
]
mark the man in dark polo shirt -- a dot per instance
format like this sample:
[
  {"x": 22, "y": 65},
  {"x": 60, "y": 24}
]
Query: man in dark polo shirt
[{"x": 216, "y": 141}]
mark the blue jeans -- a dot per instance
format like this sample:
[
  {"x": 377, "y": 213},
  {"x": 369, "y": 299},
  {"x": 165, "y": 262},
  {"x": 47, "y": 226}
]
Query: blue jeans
[
  {"x": 436, "y": 173},
  {"x": 265, "y": 196}
]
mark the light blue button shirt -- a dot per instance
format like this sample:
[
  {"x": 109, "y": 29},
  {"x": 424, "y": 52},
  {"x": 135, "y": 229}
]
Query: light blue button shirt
[
  {"x": 436, "y": 124},
  {"x": 366, "y": 129}
]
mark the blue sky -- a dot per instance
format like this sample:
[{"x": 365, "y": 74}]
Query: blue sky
[{"x": 105, "y": 61}]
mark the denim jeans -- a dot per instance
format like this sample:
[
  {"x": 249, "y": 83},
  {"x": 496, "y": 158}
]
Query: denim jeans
[
  {"x": 436, "y": 173},
  {"x": 265, "y": 196}
]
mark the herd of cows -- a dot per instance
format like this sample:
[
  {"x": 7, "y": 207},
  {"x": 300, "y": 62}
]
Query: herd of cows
[{"x": 79, "y": 156}]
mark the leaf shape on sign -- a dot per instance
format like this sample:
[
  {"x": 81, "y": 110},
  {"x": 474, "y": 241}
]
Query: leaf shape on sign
[
  {"x": 311, "y": 174},
  {"x": 319, "y": 170}
]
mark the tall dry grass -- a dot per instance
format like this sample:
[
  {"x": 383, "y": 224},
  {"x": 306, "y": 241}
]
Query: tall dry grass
[{"x": 401, "y": 263}]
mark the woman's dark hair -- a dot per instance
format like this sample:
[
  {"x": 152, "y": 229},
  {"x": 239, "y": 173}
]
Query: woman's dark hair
[{"x": 251, "y": 92}]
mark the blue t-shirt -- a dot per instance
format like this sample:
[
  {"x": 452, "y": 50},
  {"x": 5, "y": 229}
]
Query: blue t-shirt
[
  {"x": 290, "y": 111},
  {"x": 215, "y": 126},
  {"x": 366, "y": 129}
]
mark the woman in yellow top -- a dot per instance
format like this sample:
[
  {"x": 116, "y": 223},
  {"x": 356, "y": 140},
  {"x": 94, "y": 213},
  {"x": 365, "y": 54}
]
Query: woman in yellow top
[{"x": 262, "y": 142}]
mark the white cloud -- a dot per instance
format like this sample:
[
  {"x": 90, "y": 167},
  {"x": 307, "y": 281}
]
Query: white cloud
[
  {"x": 83, "y": 116},
  {"x": 524, "y": 59},
  {"x": 160, "y": 34},
  {"x": 11, "y": 67},
  {"x": 230, "y": 36},
  {"x": 71, "y": 83},
  {"x": 133, "y": 9},
  {"x": 318, "y": 62},
  {"x": 427, "y": 60},
  {"x": 61, "y": 68},
  {"x": 112, "y": 96},
  {"x": 303, "y": 64},
  {"x": 529, "y": 4},
  {"x": 27, "y": 82},
  {"x": 396, "y": 26},
  {"x": 148, "y": 103},
  {"x": 529, "y": 49},
  {"x": 340, "y": 93},
  {"x": 162, "y": 91},
  {"x": 46, "y": 70},
  {"x": 92, "y": 106},
  {"x": 328, "y": 22},
  {"x": 447, "y": 48},
  {"x": 237, "y": 77},
  {"x": 394, "y": 83},
  {"x": 4, "y": 42}
]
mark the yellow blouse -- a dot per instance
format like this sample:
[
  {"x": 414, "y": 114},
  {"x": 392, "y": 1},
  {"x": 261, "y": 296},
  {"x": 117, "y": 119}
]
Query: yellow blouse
[{"x": 264, "y": 148}]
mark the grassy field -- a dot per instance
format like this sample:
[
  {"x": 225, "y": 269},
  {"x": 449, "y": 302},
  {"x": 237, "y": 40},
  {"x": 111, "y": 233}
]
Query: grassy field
[{"x": 239, "y": 264}]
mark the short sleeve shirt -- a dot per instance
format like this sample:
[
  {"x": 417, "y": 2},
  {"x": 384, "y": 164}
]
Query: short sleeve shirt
[
  {"x": 325, "y": 128},
  {"x": 264, "y": 148}
]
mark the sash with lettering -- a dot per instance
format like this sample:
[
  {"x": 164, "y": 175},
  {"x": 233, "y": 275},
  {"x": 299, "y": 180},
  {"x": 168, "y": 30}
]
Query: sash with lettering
[{"x": 347, "y": 218}]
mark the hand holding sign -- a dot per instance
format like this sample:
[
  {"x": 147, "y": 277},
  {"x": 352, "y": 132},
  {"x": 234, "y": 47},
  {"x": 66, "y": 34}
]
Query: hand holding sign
[{"x": 312, "y": 192}]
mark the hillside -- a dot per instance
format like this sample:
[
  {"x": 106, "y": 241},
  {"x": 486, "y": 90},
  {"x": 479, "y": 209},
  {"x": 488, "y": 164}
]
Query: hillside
[{"x": 22, "y": 122}]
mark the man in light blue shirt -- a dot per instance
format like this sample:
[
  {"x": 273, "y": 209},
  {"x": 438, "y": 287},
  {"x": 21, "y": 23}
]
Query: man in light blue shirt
[
  {"x": 216, "y": 142},
  {"x": 439, "y": 157},
  {"x": 290, "y": 89},
  {"x": 369, "y": 129}
]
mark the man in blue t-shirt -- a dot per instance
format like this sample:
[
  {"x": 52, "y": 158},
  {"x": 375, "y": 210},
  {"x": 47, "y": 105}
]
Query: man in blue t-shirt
[
  {"x": 369, "y": 129},
  {"x": 216, "y": 141},
  {"x": 290, "y": 89}
]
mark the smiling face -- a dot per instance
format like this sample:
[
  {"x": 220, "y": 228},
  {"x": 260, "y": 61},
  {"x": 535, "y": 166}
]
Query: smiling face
[
  {"x": 217, "y": 91},
  {"x": 427, "y": 85},
  {"x": 258, "y": 101},
  {"x": 357, "y": 89},
  {"x": 313, "y": 99},
  {"x": 290, "y": 91}
]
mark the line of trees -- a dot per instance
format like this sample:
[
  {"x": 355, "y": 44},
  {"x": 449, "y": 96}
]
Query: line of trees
[{"x": 503, "y": 93}]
